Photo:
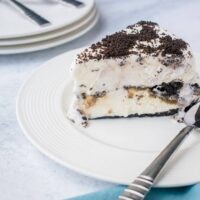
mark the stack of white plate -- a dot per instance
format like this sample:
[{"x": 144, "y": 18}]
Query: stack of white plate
[{"x": 18, "y": 34}]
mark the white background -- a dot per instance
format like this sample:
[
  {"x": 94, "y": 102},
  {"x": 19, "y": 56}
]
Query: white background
[{"x": 24, "y": 172}]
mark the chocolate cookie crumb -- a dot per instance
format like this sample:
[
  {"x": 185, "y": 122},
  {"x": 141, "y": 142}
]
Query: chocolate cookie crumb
[
  {"x": 99, "y": 94},
  {"x": 172, "y": 46}
]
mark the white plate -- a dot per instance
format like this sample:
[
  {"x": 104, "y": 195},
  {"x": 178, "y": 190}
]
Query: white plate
[
  {"x": 115, "y": 150},
  {"x": 50, "y": 34},
  {"x": 24, "y": 48},
  {"x": 16, "y": 25}
]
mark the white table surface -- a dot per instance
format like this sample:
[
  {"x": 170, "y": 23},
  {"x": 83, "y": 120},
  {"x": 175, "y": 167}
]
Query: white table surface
[{"x": 24, "y": 172}]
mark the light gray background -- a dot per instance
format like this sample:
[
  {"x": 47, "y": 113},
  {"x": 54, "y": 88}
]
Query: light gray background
[{"x": 24, "y": 172}]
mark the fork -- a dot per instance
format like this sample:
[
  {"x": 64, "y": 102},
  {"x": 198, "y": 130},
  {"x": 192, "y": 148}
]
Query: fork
[
  {"x": 29, "y": 13},
  {"x": 75, "y": 3}
]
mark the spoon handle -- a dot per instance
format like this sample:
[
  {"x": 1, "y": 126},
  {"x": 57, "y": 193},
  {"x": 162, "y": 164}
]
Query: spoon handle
[{"x": 139, "y": 188}]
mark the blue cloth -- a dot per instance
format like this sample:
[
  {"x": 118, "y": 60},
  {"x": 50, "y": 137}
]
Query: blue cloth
[{"x": 182, "y": 193}]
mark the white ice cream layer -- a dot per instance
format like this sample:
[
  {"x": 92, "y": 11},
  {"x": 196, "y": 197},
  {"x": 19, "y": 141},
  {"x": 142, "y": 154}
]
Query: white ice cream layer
[{"x": 118, "y": 103}]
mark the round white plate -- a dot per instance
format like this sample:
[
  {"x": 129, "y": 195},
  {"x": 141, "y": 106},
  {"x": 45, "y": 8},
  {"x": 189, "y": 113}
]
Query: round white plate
[
  {"x": 50, "y": 34},
  {"x": 115, "y": 150},
  {"x": 17, "y": 25},
  {"x": 24, "y": 48}
]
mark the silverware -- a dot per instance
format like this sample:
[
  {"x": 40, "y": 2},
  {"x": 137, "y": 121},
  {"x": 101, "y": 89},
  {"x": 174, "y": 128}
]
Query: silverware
[
  {"x": 75, "y": 3},
  {"x": 28, "y": 12},
  {"x": 140, "y": 187}
]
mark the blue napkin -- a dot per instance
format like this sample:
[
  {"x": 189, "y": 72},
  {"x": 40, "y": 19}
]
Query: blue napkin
[{"x": 182, "y": 193}]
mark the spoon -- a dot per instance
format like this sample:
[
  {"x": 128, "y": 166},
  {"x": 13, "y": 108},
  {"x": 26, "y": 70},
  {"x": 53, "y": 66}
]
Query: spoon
[{"x": 141, "y": 186}]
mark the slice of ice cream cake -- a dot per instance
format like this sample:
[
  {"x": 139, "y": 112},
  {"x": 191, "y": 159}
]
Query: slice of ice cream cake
[{"x": 140, "y": 71}]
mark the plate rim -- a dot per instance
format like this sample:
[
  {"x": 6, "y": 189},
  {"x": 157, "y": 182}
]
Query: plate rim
[{"x": 58, "y": 160}]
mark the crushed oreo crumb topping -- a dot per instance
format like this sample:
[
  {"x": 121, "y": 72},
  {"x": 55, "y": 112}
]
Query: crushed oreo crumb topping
[
  {"x": 148, "y": 23},
  {"x": 143, "y": 23},
  {"x": 172, "y": 46},
  {"x": 142, "y": 39}
]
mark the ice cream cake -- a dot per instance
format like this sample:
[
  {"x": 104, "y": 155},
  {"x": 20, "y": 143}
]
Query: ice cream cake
[{"x": 140, "y": 71}]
